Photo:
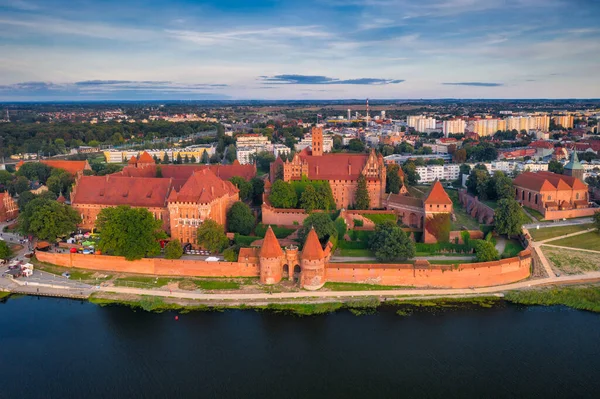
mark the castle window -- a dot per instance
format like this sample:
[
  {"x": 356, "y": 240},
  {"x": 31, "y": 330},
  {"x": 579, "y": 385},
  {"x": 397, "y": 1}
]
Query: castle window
[
  {"x": 577, "y": 196},
  {"x": 549, "y": 198}
]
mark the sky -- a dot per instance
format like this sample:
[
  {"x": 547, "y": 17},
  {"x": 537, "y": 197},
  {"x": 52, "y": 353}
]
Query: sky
[{"x": 55, "y": 50}]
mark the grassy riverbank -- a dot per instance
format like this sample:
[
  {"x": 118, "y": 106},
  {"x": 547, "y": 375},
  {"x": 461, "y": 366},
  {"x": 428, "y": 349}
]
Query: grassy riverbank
[
  {"x": 4, "y": 294},
  {"x": 580, "y": 297}
]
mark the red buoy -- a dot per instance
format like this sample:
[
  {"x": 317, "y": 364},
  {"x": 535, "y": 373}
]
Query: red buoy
[{"x": 176, "y": 317}]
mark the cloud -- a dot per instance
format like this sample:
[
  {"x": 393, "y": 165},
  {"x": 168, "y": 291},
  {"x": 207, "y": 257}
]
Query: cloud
[
  {"x": 324, "y": 80},
  {"x": 476, "y": 84}
]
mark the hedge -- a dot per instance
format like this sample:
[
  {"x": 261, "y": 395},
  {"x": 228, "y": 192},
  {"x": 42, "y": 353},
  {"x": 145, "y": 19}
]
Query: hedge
[
  {"x": 280, "y": 232},
  {"x": 244, "y": 241}
]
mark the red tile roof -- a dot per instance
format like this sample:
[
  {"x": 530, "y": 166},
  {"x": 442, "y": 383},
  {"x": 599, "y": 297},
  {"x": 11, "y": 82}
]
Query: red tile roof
[
  {"x": 132, "y": 160},
  {"x": 180, "y": 173},
  {"x": 437, "y": 195},
  {"x": 73, "y": 167},
  {"x": 570, "y": 181},
  {"x": 335, "y": 166},
  {"x": 312, "y": 249},
  {"x": 146, "y": 158},
  {"x": 109, "y": 190},
  {"x": 270, "y": 246},
  {"x": 203, "y": 187},
  {"x": 542, "y": 144}
]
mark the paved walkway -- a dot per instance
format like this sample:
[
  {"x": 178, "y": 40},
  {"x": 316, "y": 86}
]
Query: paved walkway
[
  {"x": 569, "y": 222},
  {"x": 572, "y": 249}
]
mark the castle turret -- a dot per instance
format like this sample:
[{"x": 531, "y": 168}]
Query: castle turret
[
  {"x": 313, "y": 263},
  {"x": 317, "y": 141},
  {"x": 270, "y": 259}
]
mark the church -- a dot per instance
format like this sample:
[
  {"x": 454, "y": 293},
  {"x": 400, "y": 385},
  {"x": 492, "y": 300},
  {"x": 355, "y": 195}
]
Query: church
[{"x": 340, "y": 170}]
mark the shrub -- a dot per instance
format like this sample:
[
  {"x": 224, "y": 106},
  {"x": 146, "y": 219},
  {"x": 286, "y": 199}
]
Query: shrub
[
  {"x": 230, "y": 255},
  {"x": 358, "y": 222},
  {"x": 379, "y": 218},
  {"x": 173, "y": 250},
  {"x": 280, "y": 232},
  {"x": 244, "y": 241},
  {"x": 340, "y": 225}
]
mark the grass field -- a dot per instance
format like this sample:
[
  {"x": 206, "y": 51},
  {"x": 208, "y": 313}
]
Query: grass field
[
  {"x": 551, "y": 232},
  {"x": 572, "y": 261},
  {"x": 537, "y": 215},
  {"x": 360, "y": 287},
  {"x": 583, "y": 298},
  {"x": 143, "y": 281},
  {"x": 512, "y": 248},
  {"x": 76, "y": 274},
  {"x": 589, "y": 240}
]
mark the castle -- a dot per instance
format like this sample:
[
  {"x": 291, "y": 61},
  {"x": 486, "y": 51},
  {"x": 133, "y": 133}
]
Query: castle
[
  {"x": 340, "y": 170},
  {"x": 181, "y": 196}
]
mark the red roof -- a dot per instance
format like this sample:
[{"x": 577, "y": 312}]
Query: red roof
[
  {"x": 132, "y": 160},
  {"x": 73, "y": 167},
  {"x": 542, "y": 144},
  {"x": 203, "y": 187},
  {"x": 108, "y": 190},
  {"x": 570, "y": 181},
  {"x": 548, "y": 181},
  {"x": 270, "y": 246},
  {"x": 180, "y": 173},
  {"x": 146, "y": 158},
  {"x": 437, "y": 195},
  {"x": 335, "y": 166},
  {"x": 312, "y": 249}
]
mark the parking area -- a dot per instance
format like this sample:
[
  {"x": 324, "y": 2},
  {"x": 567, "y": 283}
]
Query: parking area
[{"x": 40, "y": 277}]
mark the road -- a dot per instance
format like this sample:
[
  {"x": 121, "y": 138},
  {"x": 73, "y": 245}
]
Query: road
[{"x": 569, "y": 222}]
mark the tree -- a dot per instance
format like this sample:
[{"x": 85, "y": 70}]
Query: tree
[
  {"x": 165, "y": 158},
  {"x": 47, "y": 219},
  {"x": 309, "y": 200},
  {"x": 323, "y": 225},
  {"x": 460, "y": 156},
  {"x": 485, "y": 251},
  {"x": 361, "y": 197},
  {"x": 596, "y": 219},
  {"x": 355, "y": 145},
  {"x": 179, "y": 159},
  {"x": 5, "y": 177},
  {"x": 5, "y": 251},
  {"x": 20, "y": 184},
  {"x": 389, "y": 242},
  {"x": 130, "y": 232},
  {"x": 325, "y": 196},
  {"x": 35, "y": 171},
  {"x": 60, "y": 181},
  {"x": 240, "y": 219},
  {"x": 503, "y": 186},
  {"x": 186, "y": 159},
  {"x": 244, "y": 186},
  {"x": 173, "y": 250},
  {"x": 215, "y": 158},
  {"x": 283, "y": 195},
  {"x": 193, "y": 159},
  {"x": 263, "y": 160},
  {"x": 555, "y": 167},
  {"x": 477, "y": 183},
  {"x": 211, "y": 236},
  {"x": 25, "y": 198},
  {"x": 204, "y": 158},
  {"x": 258, "y": 189},
  {"x": 393, "y": 183},
  {"x": 231, "y": 153},
  {"x": 508, "y": 218},
  {"x": 410, "y": 173}
]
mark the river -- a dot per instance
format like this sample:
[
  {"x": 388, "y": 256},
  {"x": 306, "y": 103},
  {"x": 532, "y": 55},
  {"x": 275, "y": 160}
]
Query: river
[{"x": 58, "y": 348}]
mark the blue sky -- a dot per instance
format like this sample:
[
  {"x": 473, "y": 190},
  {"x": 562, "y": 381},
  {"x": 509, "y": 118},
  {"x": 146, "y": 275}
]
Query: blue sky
[{"x": 308, "y": 49}]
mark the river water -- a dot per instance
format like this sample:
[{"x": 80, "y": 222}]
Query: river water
[{"x": 57, "y": 348}]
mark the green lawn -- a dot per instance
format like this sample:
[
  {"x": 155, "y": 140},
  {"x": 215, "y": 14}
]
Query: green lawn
[
  {"x": 360, "y": 287},
  {"x": 512, "y": 249},
  {"x": 462, "y": 217},
  {"x": 416, "y": 192},
  {"x": 379, "y": 218},
  {"x": 356, "y": 252},
  {"x": 76, "y": 274},
  {"x": 537, "y": 215},
  {"x": 551, "y": 232},
  {"x": 211, "y": 284},
  {"x": 589, "y": 240},
  {"x": 143, "y": 281},
  {"x": 583, "y": 298},
  {"x": 572, "y": 261}
]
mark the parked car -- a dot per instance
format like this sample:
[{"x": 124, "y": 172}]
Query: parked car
[{"x": 66, "y": 274}]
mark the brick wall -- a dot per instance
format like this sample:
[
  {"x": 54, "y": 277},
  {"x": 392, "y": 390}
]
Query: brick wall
[
  {"x": 158, "y": 266},
  {"x": 569, "y": 213},
  {"x": 473, "y": 235},
  {"x": 282, "y": 217}
]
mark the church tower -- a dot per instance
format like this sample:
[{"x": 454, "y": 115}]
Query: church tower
[
  {"x": 317, "y": 141},
  {"x": 573, "y": 167}
]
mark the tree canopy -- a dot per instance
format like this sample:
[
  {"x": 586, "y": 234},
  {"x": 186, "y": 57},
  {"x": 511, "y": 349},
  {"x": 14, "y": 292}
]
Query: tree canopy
[
  {"x": 485, "y": 251},
  {"x": 211, "y": 235},
  {"x": 596, "y": 219},
  {"x": 555, "y": 167},
  {"x": 60, "y": 181},
  {"x": 508, "y": 218},
  {"x": 393, "y": 183},
  {"x": 240, "y": 219},
  {"x": 129, "y": 232},
  {"x": 35, "y": 171},
  {"x": 389, "y": 242},
  {"x": 244, "y": 186},
  {"x": 324, "y": 226},
  {"x": 173, "y": 250},
  {"x": 47, "y": 219},
  {"x": 5, "y": 251},
  {"x": 283, "y": 195},
  {"x": 361, "y": 197}
]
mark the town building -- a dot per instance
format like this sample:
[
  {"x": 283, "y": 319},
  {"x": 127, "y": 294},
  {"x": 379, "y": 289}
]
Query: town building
[
  {"x": 430, "y": 173},
  {"x": 195, "y": 151},
  {"x": 573, "y": 168},
  {"x": 420, "y": 123},
  {"x": 548, "y": 192},
  {"x": 306, "y": 142},
  {"x": 566, "y": 121},
  {"x": 453, "y": 126},
  {"x": 340, "y": 170},
  {"x": 9, "y": 210}
]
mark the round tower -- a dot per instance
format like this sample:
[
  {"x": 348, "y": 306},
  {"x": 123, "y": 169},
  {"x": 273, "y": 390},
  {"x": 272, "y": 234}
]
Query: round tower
[
  {"x": 270, "y": 258},
  {"x": 312, "y": 275}
]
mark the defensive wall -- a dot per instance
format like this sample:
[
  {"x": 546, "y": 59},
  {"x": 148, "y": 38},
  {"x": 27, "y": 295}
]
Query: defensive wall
[
  {"x": 421, "y": 274},
  {"x": 473, "y": 235},
  {"x": 477, "y": 209},
  {"x": 157, "y": 266},
  {"x": 282, "y": 217},
  {"x": 569, "y": 213}
]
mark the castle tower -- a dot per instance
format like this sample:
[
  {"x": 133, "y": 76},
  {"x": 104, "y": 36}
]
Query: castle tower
[
  {"x": 436, "y": 202},
  {"x": 573, "y": 167},
  {"x": 145, "y": 160},
  {"x": 317, "y": 141},
  {"x": 313, "y": 263},
  {"x": 270, "y": 257}
]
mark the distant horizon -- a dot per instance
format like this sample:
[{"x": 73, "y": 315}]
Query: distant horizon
[{"x": 78, "y": 50}]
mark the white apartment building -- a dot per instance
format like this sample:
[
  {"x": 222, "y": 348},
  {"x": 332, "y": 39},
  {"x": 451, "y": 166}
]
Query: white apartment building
[
  {"x": 420, "y": 123},
  {"x": 196, "y": 151},
  {"x": 278, "y": 149},
  {"x": 488, "y": 127},
  {"x": 430, "y": 173},
  {"x": 327, "y": 142},
  {"x": 536, "y": 122},
  {"x": 244, "y": 154},
  {"x": 250, "y": 140},
  {"x": 454, "y": 126}
]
